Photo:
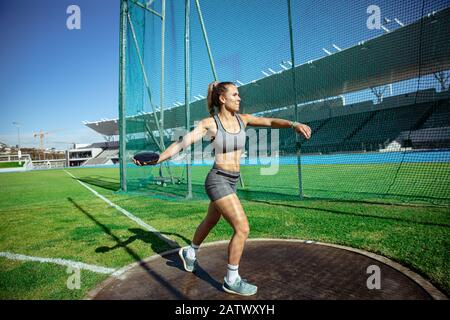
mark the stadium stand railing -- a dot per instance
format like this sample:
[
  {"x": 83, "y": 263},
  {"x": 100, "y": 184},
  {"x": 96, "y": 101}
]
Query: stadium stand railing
[{"x": 108, "y": 156}]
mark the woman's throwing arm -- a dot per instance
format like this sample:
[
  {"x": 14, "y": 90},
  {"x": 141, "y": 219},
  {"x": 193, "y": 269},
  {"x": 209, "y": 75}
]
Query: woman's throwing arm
[
  {"x": 198, "y": 133},
  {"x": 300, "y": 128}
]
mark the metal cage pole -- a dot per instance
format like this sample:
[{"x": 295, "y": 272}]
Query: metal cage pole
[
  {"x": 122, "y": 109},
  {"x": 187, "y": 93},
  {"x": 297, "y": 138},
  {"x": 163, "y": 32},
  {"x": 205, "y": 37},
  {"x": 161, "y": 107}
]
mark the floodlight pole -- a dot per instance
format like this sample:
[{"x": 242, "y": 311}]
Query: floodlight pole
[
  {"x": 122, "y": 112},
  {"x": 297, "y": 138},
  {"x": 187, "y": 94},
  {"x": 18, "y": 133}
]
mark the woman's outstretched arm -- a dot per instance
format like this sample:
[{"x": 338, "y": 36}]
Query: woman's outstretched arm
[
  {"x": 198, "y": 133},
  {"x": 300, "y": 128}
]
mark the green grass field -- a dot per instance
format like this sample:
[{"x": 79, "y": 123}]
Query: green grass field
[
  {"x": 419, "y": 183},
  {"x": 14, "y": 164},
  {"x": 49, "y": 214}
]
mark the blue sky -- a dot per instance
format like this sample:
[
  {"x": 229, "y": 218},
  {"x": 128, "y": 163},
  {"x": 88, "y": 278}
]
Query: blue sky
[{"x": 53, "y": 78}]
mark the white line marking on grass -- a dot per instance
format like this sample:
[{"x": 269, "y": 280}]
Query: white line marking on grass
[
  {"x": 128, "y": 214},
  {"x": 63, "y": 262}
]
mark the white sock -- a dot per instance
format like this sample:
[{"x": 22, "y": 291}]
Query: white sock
[
  {"x": 232, "y": 273},
  {"x": 192, "y": 251}
]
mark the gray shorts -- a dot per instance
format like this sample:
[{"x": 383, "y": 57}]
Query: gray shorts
[{"x": 220, "y": 183}]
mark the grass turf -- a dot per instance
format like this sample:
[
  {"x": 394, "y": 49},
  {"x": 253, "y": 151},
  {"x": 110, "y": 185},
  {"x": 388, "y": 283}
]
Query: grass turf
[
  {"x": 422, "y": 183},
  {"x": 49, "y": 214},
  {"x": 11, "y": 164}
]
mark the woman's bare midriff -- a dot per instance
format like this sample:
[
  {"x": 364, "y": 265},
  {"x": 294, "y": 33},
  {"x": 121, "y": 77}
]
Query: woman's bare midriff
[{"x": 229, "y": 161}]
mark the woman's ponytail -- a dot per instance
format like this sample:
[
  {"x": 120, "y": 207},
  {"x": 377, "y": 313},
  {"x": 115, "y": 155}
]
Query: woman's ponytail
[{"x": 211, "y": 88}]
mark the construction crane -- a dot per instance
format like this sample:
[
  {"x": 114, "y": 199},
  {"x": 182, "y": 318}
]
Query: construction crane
[{"x": 41, "y": 136}]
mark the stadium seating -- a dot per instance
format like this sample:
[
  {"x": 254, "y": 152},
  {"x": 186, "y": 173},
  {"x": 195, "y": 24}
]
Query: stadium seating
[
  {"x": 374, "y": 130},
  {"x": 388, "y": 123},
  {"x": 440, "y": 116},
  {"x": 337, "y": 129}
]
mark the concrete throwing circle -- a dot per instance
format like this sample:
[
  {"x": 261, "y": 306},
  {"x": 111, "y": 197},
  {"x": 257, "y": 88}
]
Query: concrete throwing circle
[{"x": 282, "y": 270}]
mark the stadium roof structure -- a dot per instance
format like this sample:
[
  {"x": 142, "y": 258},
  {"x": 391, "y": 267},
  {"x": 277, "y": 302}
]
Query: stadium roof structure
[
  {"x": 379, "y": 61},
  {"x": 105, "y": 127}
]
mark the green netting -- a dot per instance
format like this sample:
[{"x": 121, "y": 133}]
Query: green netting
[{"x": 370, "y": 80}]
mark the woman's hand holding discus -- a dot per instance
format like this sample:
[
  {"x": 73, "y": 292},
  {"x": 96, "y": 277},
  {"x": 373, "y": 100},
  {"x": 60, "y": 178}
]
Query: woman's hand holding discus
[{"x": 145, "y": 158}]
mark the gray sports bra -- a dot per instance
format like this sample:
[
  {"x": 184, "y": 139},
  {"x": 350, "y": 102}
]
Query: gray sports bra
[{"x": 225, "y": 141}]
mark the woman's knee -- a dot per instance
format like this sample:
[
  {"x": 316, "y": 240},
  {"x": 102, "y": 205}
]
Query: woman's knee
[{"x": 242, "y": 229}]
